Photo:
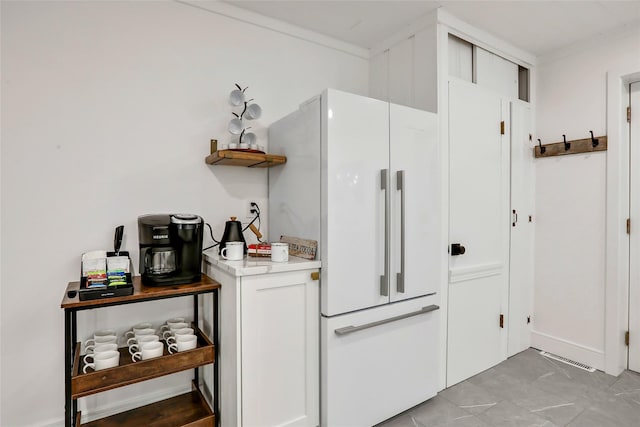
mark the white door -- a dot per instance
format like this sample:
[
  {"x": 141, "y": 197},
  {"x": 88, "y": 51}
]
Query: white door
[
  {"x": 479, "y": 222},
  {"x": 354, "y": 152},
  {"x": 415, "y": 188},
  {"x": 521, "y": 239},
  {"x": 634, "y": 244}
]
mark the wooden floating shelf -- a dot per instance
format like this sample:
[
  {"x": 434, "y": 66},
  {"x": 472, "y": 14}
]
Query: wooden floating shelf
[
  {"x": 238, "y": 158},
  {"x": 577, "y": 146},
  {"x": 189, "y": 409},
  {"x": 129, "y": 372}
]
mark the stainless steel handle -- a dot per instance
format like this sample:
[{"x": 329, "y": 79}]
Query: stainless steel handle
[
  {"x": 350, "y": 329},
  {"x": 400, "y": 276},
  {"x": 384, "y": 185}
]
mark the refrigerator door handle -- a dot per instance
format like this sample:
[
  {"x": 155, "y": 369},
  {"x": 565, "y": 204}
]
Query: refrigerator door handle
[
  {"x": 400, "y": 276},
  {"x": 350, "y": 329},
  {"x": 384, "y": 185}
]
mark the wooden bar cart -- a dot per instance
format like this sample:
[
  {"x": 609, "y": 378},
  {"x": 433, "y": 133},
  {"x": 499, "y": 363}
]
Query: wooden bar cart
[{"x": 189, "y": 409}]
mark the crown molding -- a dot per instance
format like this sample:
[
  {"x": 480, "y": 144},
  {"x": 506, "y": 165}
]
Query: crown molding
[{"x": 252, "y": 18}]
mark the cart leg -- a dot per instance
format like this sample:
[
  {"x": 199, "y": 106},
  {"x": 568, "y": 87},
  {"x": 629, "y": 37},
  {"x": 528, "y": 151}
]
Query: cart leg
[
  {"x": 215, "y": 358},
  {"x": 196, "y": 322},
  {"x": 68, "y": 361},
  {"x": 74, "y": 341}
]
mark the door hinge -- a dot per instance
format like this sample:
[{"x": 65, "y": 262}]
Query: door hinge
[
  {"x": 626, "y": 338},
  {"x": 502, "y": 320},
  {"x": 514, "y": 217},
  {"x": 315, "y": 275},
  {"x": 502, "y": 127},
  {"x": 628, "y": 225},
  {"x": 629, "y": 114}
]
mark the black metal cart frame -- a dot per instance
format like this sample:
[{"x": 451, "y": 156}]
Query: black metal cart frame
[{"x": 71, "y": 332}]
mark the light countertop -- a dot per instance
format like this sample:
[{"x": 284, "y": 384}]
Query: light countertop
[{"x": 251, "y": 266}]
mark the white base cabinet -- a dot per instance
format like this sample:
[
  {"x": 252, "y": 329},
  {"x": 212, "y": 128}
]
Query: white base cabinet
[{"x": 269, "y": 342}]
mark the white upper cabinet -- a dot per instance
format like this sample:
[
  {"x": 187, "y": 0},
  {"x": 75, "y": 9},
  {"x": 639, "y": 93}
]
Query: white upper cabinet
[
  {"x": 379, "y": 76},
  {"x": 406, "y": 72},
  {"x": 401, "y": 73},
  {"x": 460, "y": 54},
  {"x": 495, "y": 73}
]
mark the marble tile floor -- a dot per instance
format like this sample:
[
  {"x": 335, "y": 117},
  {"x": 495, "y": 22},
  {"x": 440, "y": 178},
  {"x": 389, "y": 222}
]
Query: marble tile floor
[{"x": 531, "y": 390}]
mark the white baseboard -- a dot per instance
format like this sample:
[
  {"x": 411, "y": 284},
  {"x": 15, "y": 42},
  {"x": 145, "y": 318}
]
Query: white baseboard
[
  {"x": 58, "y": 422},
  {"x": 571, "y": 350}
]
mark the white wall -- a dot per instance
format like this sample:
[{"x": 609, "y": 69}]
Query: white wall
[
  {"x": 569, "y": 296},
  {"x": 107, "y": 112}
]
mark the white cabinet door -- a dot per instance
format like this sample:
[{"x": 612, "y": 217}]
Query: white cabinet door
[
  {"x": 634, "y": 242},
  {"x": 368, "y": 373},
  {"x": 280, "y": 350},
  {"x": 495, "y": 73},
  {"x": 521, "y": 259},
  {"x": 415, "y": 187},
  {"x": 355, "y": 151},
  {"x": 479, "y": 220}
]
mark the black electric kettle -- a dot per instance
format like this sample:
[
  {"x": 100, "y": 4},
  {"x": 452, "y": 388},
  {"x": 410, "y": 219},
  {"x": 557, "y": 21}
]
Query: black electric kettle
[{"x": 233, "y": 233}]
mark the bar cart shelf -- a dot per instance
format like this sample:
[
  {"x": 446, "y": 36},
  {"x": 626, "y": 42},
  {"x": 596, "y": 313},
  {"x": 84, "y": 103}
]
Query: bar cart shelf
[{"x": 189, "y": 409}]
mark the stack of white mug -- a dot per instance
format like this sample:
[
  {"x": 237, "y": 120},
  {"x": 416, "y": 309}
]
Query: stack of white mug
[
  {"x": 103, "y": 349},
  {"x": 143, "y": 342},
  {"x": 179, "y": 336}
]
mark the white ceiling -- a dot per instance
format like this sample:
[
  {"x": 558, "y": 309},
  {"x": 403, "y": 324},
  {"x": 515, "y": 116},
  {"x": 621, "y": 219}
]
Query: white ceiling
[{"x": 539, "y": 27}]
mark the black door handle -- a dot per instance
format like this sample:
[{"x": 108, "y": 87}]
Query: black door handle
[{"x": 457, "y": 249}]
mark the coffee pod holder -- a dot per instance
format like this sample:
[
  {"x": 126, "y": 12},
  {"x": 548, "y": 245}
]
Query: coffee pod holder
[{"x": 92, "y": 287}]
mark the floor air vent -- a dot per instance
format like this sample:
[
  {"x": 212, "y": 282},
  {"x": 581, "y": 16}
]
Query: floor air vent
[{"x": 568, "y": 361}]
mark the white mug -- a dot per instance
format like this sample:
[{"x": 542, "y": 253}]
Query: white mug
[
  {"x": 102, "y": 337},
  {"x": 108, "y": 359},
  {"x": 141, "y": 339},
  {"x": 141, "y": 326},
  {"x": 279, "y": 252},
  {"x": 101, "y": 348},
  {"x": 233, "y": 251},
  {"x": 180, "y": 332},
  {"x": 140, "y": 332},
  {"x": 254, "y": 111},
  {"x": 175, "y": 320},
  {"x": 168, "y": 331},
  {"x": 183, "y": 343},
  {"x": 148, "y": 351}
]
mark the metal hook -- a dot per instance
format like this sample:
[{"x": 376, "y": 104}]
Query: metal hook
[
  {"x": 542, "y": 149},
  {"x": 594, "y": 141},
  {"x": 567, "y": 145}
]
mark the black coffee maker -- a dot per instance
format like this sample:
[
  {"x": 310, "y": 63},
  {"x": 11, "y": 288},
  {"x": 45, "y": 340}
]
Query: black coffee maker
[{"x": 170, "y": 248}]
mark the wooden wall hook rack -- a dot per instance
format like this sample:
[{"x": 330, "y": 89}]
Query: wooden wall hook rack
[{"x": 577, "y": 146}]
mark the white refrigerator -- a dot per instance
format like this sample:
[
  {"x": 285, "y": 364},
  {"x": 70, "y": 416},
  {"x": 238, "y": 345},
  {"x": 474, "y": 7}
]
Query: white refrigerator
[{"x": 362, "y": 178}]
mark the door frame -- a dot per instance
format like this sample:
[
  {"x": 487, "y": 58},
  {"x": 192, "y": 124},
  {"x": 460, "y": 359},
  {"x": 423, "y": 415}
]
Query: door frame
[
  {"x": 448, "y": 24},
  {"x": 617, "y": 211}
]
